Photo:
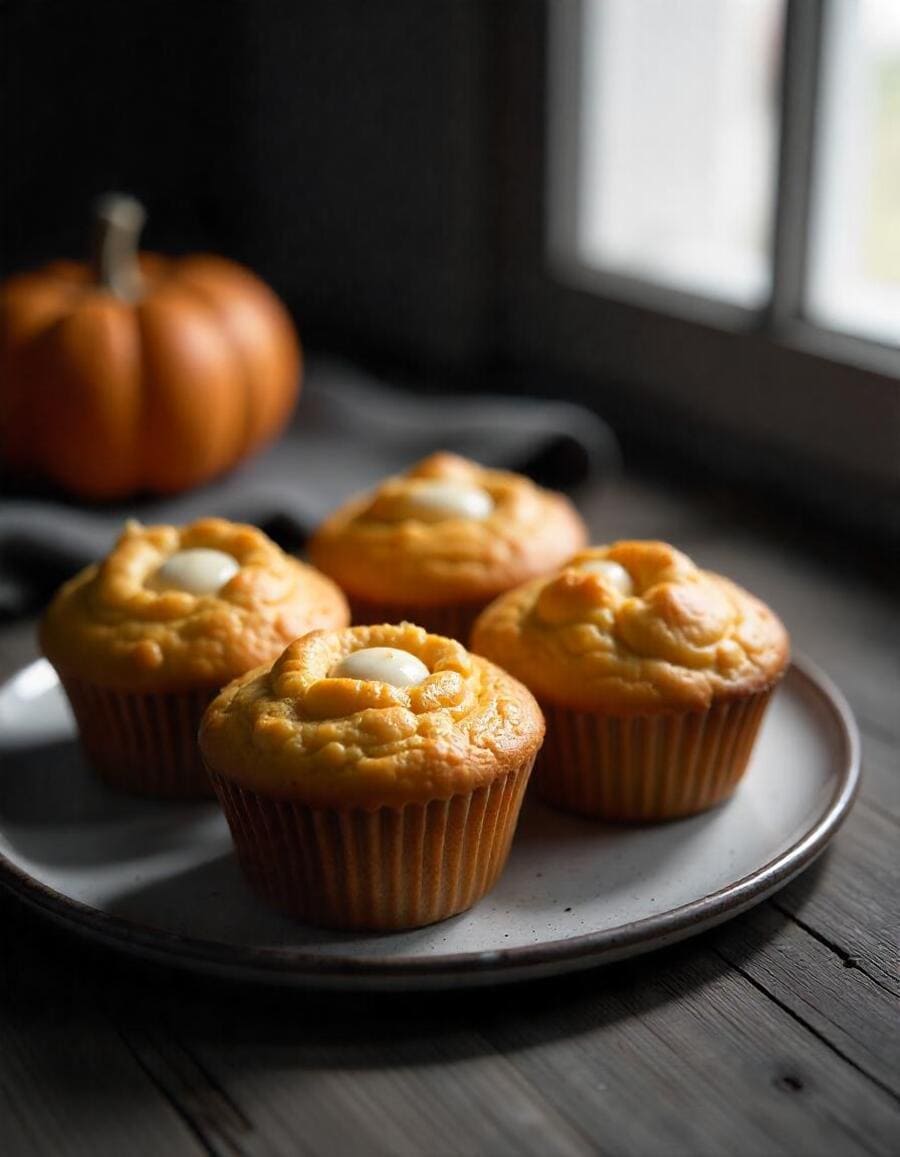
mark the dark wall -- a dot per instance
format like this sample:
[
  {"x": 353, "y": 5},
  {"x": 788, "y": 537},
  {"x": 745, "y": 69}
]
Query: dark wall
[{"x": 340, "y": 148}]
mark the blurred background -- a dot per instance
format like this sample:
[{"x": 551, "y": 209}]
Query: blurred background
[{"x": 684, "y": 214}]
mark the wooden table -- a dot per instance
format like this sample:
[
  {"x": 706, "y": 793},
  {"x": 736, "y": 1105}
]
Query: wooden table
[{"x": 775, "y": 1033}]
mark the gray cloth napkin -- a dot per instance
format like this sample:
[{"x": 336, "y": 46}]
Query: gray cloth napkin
[{"x": 349, "y": 431}]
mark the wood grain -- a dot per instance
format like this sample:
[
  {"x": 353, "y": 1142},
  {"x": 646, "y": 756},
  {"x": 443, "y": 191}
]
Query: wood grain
[
  {"x": 68, "y": 1083},
  {"x": 881, "y": 770},
  {"x": 685, "y": 1056},
  {"x": 393, "y": 1087},
  {"x": 827, "y": 989},
  {"x": 853, "y": 901}
]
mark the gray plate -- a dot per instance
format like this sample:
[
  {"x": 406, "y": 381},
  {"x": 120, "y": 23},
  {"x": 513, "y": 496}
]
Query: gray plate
[{"x": 159, "y": 880}]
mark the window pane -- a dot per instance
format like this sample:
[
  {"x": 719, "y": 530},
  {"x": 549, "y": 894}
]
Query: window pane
[
  {"x": 855, "y": 257},
  {"x": 677, "y": 142}
]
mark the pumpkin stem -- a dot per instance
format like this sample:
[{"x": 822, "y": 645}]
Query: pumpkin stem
[{"x": 118, "y": 221}]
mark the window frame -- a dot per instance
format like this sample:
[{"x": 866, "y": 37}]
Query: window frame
[{"x": 769, "y": 378}]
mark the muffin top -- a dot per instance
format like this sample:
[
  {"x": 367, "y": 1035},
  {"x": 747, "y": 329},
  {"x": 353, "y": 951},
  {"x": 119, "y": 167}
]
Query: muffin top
[
  {"x": 370, "y": 717},
  {"x": 446, "y": 530},
  {"x": 634, "y": 628},
  {"x": 175, "y": 608}
]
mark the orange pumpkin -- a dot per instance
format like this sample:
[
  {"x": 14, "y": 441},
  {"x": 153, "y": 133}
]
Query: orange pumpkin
[{"x": 140, "y": 372}]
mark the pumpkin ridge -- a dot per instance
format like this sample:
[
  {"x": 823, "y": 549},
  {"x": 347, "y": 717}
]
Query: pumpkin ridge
[
  {"x": 236, "y": 294},
  {"x": 188, "y": 389},
  {"x": 140, "y": 448},
  {"x": 245, "y": 444}
]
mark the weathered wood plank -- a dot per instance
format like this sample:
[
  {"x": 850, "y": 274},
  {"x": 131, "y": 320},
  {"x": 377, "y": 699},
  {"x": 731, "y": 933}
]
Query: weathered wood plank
[
  {"x": 68, "y": 1083},
  {"x": 677, "y": 1053},
  {"x": 305, "y": 1083},
  {"x": 881, "y": 771},
  {"x": 822, "y": 987},
  {"x": 851, "y": 898},
  {"x": 683, "y": 1056},
  {"x": 224, "y": 1129}
]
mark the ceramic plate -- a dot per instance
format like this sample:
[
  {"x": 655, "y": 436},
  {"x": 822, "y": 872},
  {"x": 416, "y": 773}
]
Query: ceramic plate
[{"x": 159, "y": 880}]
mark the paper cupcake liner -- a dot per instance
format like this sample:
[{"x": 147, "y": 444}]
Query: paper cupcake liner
[
  {"x": 453, "y": 621},
  {"x": 647, "y": 767},
  {"x": 382, "y": 870},
  {"x": 140, "y": 743}
]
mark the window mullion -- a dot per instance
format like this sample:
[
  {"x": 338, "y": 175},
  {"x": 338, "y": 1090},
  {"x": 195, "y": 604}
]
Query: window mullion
[{"x": 801, "y": 69}]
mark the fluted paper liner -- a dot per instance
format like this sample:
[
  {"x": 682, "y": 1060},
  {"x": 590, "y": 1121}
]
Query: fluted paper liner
[
  {"x": 646, "y": 767},
  {"x": 145, "y": 744},
  {"x": 386, "y": 869},
  {"x": 453, "y": 621}
]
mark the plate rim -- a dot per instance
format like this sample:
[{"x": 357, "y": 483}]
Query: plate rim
[{"x": 588, "y": 949}]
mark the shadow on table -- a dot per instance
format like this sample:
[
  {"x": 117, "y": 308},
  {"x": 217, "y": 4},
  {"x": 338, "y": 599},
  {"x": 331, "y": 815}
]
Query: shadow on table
[
  {"x": 205, "y": 896},
  {"x": 54, "y": 811},
  {"x": 266, "y": 1027}
]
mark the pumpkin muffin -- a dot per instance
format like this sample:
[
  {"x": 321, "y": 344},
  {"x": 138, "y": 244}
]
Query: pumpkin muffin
[
  {"x": 143, "y": 640},
  {"x": 435, "y": 545},
  {"x": 372, "y": 777},
  {"x": 653, "y": 674}
]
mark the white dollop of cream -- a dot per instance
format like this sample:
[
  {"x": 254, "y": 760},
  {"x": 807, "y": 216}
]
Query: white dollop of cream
[
  {"x": 200, "y": 571},
  {"x": 432, "y": 500},
  {"x": 386, "y": 664},
  {"x": 614, "y": 574}
]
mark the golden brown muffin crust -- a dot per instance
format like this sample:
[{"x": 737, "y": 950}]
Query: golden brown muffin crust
[
  {"x": 680, "y": 638},
  {"x": 377, "y": 550},
  {"x": 109, "y": 625},
  {"x": 293, "y": 731}
]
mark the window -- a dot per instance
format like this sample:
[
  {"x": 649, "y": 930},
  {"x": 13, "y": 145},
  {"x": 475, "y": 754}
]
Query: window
[
  {"x": 855, "y": 253},
  {"x": 674, "y": 161},
  {"x": 716, "y": 189},
  {"x": 678, "y": 135}
]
